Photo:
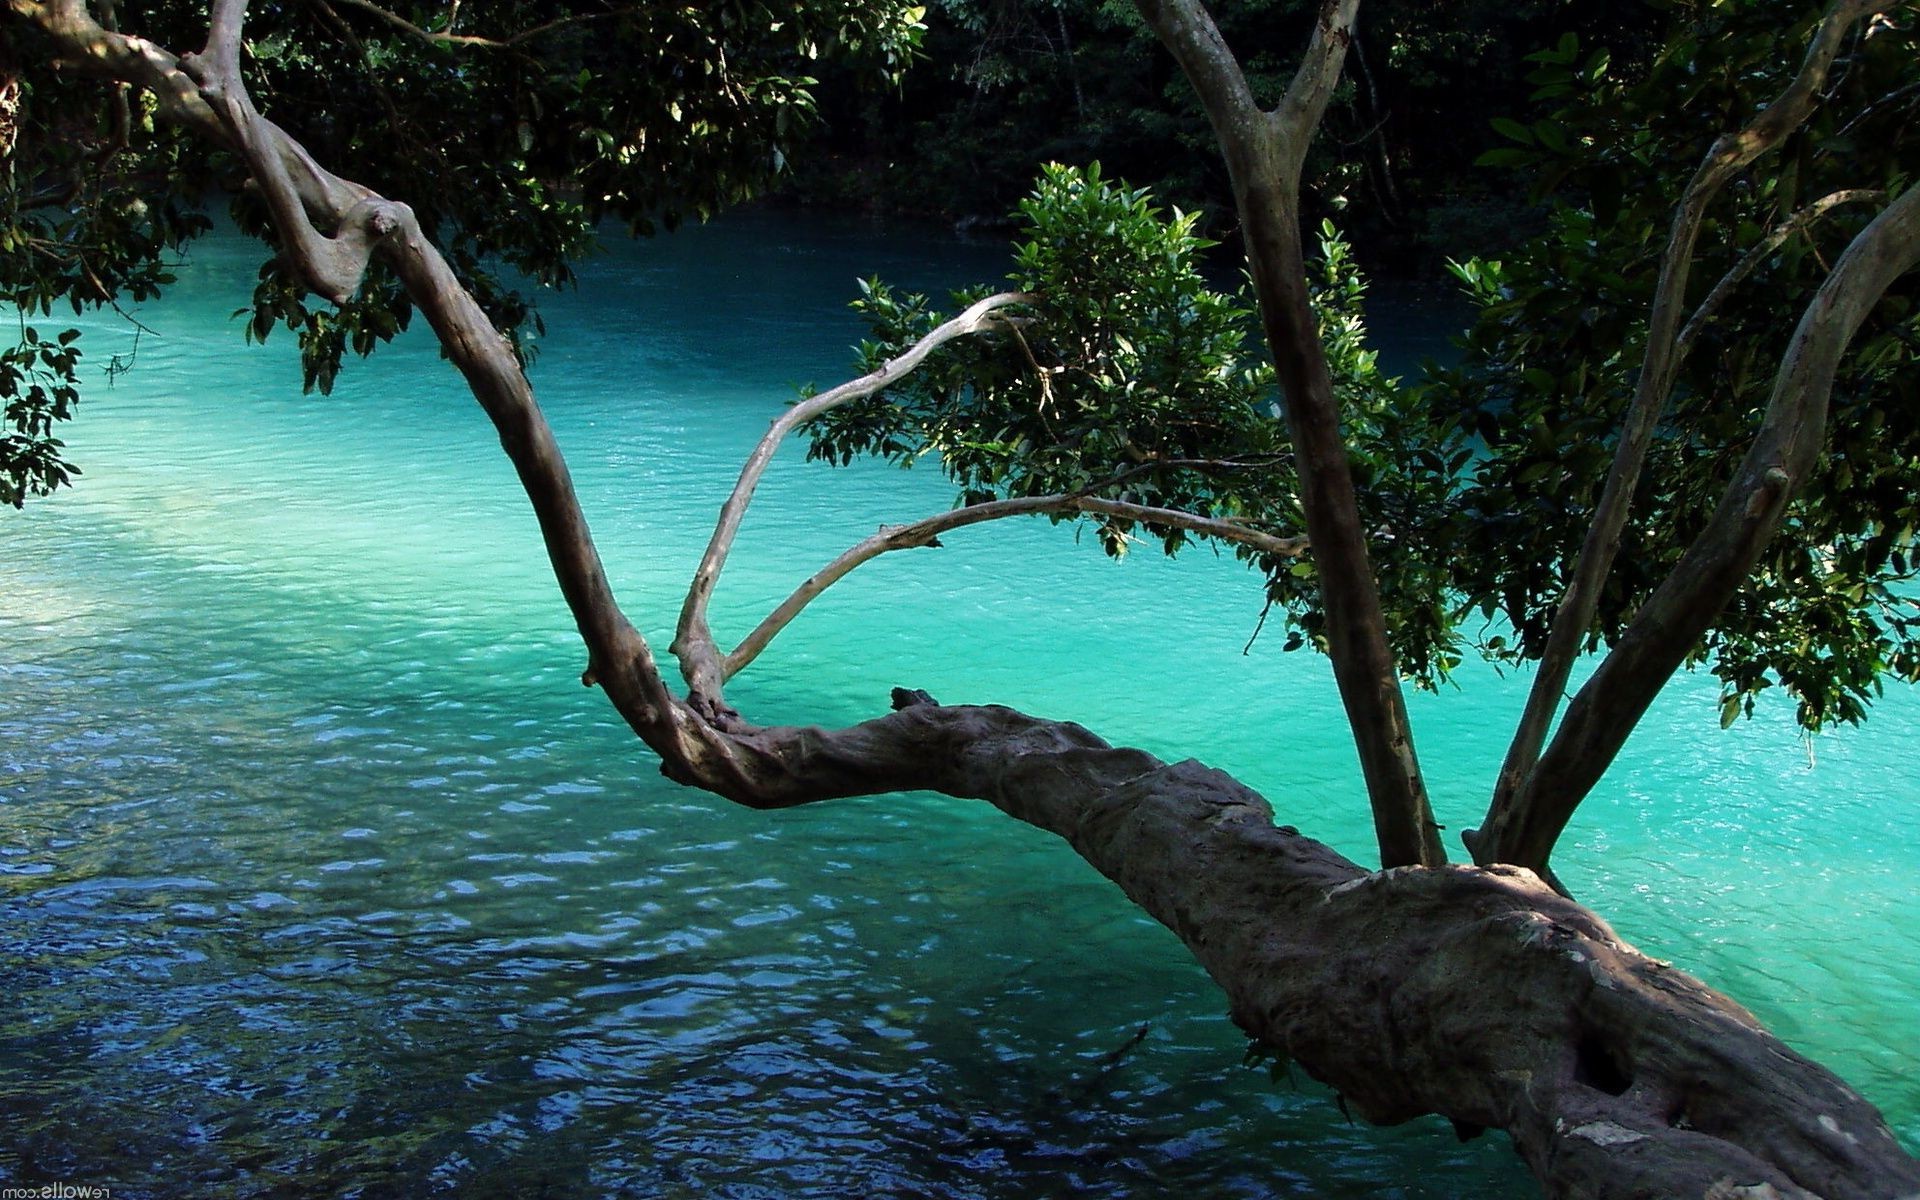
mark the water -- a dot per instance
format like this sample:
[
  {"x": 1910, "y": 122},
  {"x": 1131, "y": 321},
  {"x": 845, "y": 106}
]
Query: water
[{"x": 320, "y": 874}]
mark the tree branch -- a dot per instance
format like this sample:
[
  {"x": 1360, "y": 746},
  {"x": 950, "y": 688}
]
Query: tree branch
[
  {"x": 1680, "y": 611},
  {"x": 1264, "y": 152},
  {"x": 1751, "y": 260},
  {"x": 1307, "y": 96},
  {"x": 1187, "y": 30},
  {"x": 619, "y": 657},
  {"x": 429, "y": 37},
  {"x": 95, "y": 50},
  {"x": 330, "y": 264},
  {"x": 693, "y": 644},
  {"x": 1730, "y": 154},
  {"x": 924, "y": 531},
  {"x": 1373, "y": 982},
  {"x": 1617, "y": 1076}
]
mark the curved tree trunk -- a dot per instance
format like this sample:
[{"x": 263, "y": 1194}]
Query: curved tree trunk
[{"x": 1475, "y": 993}]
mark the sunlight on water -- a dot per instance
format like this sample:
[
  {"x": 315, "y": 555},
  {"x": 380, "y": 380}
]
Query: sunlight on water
[{"x": 321, "y": 873}]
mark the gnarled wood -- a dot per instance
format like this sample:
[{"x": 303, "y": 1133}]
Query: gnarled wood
[{"x": 1474, "y": 993}]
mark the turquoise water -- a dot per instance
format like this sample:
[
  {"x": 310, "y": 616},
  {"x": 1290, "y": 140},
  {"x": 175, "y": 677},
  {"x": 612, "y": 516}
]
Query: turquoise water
[{"x": 320, "y": 873}]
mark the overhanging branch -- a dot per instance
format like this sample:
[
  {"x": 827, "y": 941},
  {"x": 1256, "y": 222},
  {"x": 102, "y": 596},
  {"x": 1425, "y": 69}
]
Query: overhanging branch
[
  {"x": 693, "y": 644},
  {"x": 924, "y": 531},
  {"x": 1616, "y": 1076}
]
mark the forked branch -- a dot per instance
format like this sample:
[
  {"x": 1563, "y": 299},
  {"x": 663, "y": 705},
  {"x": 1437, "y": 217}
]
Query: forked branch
[
  {"x": 1264, "y": 152},
  {"x": 700, "y": 661},
  {"x": 1312, "y": 88},
  {"x": 924, "y": 531},
  {"x": 1573, "y": 617},
  {"x": 1680, "y": 611}
]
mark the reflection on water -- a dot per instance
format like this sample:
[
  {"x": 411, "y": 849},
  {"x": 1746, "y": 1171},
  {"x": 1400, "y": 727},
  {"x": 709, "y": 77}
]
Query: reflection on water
[{"x": 321, "y": 875}]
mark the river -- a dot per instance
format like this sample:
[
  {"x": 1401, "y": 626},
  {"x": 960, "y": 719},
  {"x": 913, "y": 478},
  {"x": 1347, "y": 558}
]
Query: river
[{"x": 321, "y": 875}]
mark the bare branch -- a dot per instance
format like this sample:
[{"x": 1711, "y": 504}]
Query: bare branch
[
  {"x": 449, "y": 38},
  {"x": 924, "y": 531},
  {"x": 1730, "y": 154},
  {"x": 222, "y": 52},
  {"x": 1751, "y": 260},
  {"x": 1264, "y": 152},
  {"x": 693, "y": 641}
]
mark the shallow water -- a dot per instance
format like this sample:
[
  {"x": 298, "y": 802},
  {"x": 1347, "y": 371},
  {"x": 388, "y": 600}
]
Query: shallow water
[{"x": 320, "y": 874}]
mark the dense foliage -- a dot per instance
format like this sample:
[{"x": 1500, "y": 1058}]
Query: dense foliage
[
  {"x": 1134, "y": 379},
  {"x": 1831, "y": 607},
  {"x": 1010, "y": 84},
  {"x": 512, "y": 135}
]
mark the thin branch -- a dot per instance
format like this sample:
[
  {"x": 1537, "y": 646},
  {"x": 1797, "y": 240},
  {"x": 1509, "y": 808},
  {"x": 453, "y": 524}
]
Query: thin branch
[
  {"x": 431, "y": 38},
  {"x": 1751, "y": 260},
  {"x": 693, "y": 641},
  {"x": 924, "y": 531},
  {"x": 1730, "y": 154}
]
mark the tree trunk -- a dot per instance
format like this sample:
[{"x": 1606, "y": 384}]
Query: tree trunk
[
  {"x": 1263, "y": 152},
  {"x": 1475, "y": 993}
]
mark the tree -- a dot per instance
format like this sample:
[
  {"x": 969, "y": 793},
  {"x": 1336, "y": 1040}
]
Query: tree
[{"x": 1615, "y": 1075}]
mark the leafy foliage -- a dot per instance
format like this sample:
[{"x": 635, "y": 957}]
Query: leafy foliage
[
  {"x": 80, "y": 228},
  {"x": 512, "y": 135},
  {"x": 39, "y": 384},
  {"x": 1133, "y": 379},
  {"x": 1552, "y": 360}
]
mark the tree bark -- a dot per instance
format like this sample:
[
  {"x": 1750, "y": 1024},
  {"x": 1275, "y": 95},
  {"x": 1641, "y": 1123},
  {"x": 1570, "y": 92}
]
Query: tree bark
[{"x": 1475, "y": 993}]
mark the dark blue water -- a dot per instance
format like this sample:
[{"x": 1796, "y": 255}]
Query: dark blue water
[{"x": 321, "y": 875}]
